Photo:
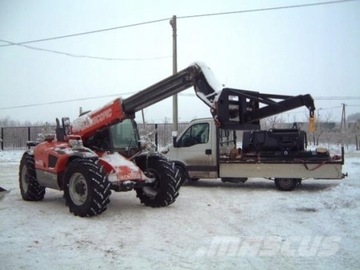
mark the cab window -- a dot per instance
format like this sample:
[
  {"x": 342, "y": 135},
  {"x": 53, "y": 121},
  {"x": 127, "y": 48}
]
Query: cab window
[
  {"x": 124, "y": 135},
  {"x": 196, "y": 134}
]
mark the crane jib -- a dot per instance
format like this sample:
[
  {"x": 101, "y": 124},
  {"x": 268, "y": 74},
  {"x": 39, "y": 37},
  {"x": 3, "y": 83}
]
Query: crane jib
[{"x": 231, "y": 108}]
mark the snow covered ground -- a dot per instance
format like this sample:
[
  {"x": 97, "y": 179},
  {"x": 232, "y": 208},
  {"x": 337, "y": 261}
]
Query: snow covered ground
[{"x": 212, "y": 225}]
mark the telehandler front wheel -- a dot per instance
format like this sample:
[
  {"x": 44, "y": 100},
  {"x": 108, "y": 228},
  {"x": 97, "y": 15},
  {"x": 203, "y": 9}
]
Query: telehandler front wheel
[
  {"x": 166, "y": 183},
  {"x": 87, "y": 189},
  {"x": 29, "y": 187}
]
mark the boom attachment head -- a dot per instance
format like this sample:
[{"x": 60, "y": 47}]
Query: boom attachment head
[{"x": 242, "y": 109}]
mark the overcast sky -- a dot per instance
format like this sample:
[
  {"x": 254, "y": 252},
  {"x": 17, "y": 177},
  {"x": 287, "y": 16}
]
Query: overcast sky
[{"x": 314, "y": 49}]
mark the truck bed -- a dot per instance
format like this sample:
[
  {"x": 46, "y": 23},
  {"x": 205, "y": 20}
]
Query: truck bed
[{"x": 306, "y": 164}]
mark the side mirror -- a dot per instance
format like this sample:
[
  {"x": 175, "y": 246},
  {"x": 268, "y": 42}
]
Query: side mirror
[{"x": 174, "y": 142}]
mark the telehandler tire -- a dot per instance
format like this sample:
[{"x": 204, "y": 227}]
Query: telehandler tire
[
  {"x": 29, "y": 187},
  {"x": 164, "y": 189},
  {"x": 87, "y": 189}
]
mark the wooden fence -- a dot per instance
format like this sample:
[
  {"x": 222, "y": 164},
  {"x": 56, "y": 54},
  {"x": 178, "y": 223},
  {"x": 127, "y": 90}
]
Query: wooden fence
[{"x": 17, "y": 137}]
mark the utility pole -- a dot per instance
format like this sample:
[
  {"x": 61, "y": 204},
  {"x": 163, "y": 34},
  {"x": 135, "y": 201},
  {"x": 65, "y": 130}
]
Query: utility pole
[
  {"x": 343, "y": 123},
  {"x": 175, "y": 98},
  {"x": 343, "y": 118}
]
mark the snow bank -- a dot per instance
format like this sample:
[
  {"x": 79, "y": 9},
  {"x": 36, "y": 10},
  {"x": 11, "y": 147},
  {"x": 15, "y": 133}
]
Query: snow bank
[
  {"x": 212, "y": 225},
  {"x": 13, "y": 156}
]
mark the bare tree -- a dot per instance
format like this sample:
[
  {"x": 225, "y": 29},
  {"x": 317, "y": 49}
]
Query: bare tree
[
  {"x": 275, "y": 121},
  {"x": 357, "y": 134},
  {"x": 354, "y": 128},
  {"x": 323, "y": 126}
]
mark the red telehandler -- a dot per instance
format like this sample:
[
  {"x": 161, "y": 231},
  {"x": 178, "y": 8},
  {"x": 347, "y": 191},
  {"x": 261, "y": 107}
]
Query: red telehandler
[{"x": 101, "y": 150}]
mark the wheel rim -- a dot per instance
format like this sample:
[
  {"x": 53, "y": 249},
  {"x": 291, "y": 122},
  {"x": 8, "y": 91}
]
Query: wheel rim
[
  {"x": 24, "y": 180},
  {"x": 78, "y": 189},
  {"x": 286, "y": 182}
]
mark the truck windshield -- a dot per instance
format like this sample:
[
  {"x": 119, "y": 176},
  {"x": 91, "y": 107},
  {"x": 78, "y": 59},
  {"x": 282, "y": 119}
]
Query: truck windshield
[{"x": 124, "y": 135}]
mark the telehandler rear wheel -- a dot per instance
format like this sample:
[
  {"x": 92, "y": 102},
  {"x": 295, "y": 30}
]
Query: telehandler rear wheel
[
  {"x": 29, "y": 187},
  {"x": 164, "y": 189},
  {"x": 87, "y": 189}
]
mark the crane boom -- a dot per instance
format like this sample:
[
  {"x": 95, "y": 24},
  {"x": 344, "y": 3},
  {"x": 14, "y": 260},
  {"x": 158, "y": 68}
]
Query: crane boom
[
  {"x": 231, "y": 108},
  {"x": 197, "y": 75}
]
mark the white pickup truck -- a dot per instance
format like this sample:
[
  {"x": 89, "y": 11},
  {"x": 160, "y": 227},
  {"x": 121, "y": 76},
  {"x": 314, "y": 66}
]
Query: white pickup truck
[{"x": 205, "y": 151}]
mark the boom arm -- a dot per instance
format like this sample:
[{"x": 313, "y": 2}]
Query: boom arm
[
  {"x": 197, "y": 75},
  {"x": 231, "y": 108}
]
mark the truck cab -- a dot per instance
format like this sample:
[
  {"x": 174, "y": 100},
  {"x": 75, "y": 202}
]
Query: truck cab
[{"x": 198, "y": 147}]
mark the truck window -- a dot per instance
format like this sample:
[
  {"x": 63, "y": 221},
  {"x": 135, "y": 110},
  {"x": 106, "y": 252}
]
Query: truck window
[
  {"x": 227, "y": 141},
  {"x": 227, "y": 137},
  {"x": 195, "y": 134}
]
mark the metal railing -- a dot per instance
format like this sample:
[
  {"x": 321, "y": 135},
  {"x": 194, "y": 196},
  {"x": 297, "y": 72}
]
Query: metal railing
[{"x": 17, "y": 137}]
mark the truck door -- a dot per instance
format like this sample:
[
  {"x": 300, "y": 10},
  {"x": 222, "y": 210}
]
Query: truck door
[{"x": 195, "y": 148}]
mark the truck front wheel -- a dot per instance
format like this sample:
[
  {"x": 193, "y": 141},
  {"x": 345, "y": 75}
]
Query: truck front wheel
[
  {"x": 29, "y": 187},
  {"x": 286, "y": 184},
  {"x": 183, "y": 174},
  {"x": 164, "y": 189},
  {"x": 87, "y": 189}
]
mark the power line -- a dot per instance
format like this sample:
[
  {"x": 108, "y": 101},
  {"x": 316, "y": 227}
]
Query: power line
[
  {"x": 10, "y": 43},
  {"x": 86, "y": 33},
  {"x": 179, "y": 17},
  {"x": 337, "y": 98},
  {"x": 316, "y": 97},
  {"x": 265, "y": 9},
  {"x": 59, "y": 102},
  {"x": 128, "y": 93},
  {"x": 85, "y": 56},
  {"x": 321, "y": 109}
]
